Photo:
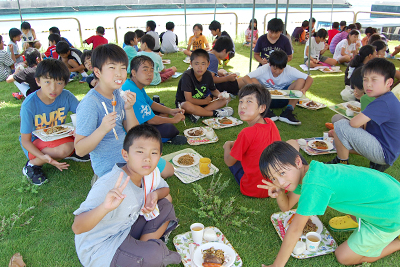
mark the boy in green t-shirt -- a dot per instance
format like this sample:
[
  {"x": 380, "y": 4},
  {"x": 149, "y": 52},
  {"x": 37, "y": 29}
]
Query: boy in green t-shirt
[{"x": 373, "y": 201}]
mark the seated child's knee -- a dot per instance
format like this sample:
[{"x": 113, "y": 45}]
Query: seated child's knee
[
  {"x": 169, "y": 198},
  {"x": 65, "y": 150}
]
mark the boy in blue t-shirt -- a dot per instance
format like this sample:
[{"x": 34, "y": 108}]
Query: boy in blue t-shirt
[
  {"x": 47, "y": 107},
  {"x": 374, "y": 132},
  {"x": 369, "y": 195}
]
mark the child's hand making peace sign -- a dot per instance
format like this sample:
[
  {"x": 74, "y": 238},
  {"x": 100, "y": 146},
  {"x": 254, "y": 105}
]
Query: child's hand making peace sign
[{"x": 115, "y": 197}]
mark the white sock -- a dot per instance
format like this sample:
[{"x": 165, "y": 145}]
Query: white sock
[{"x": 84, "y": 74}]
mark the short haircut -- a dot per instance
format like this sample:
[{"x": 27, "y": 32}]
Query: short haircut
[
  {"x": 145, "y": 131},
  {"x": 62, "y": 47},
  {"x": 351, "y": 27},
  {"x": 14, "y": 32},
  {"x": 305, "y": 24},
  {"x": 335, "y": 25},
  {"x": 261, "y": 93},
  {"x": 54, "y": 37},
  {"x": 223, "y": 42},
  {"x": 170, "y": 25},
  {"x": 128, "y": 37},
  {"x": 198, "y": 25},
  {"x": 277, "y": 156},
  {"x": 31, "y": 54},
  {"x": 321, "y": 33},
  {"x": 370, "y": 30},
  {"x": 25, "y": 25},
  {"x": 313, "y": 20},
  {"x": 343, "y": 23},
  {"x": 149, "y": 41},
  {"x": 139, "y": 33},
  {"x": 136, "y": 62},
  {"x": 100, "y": 30},
  {"x": 379, "y": 44},
  {"x": 358, "y": 25},
  {"x": 356, "y": 79},
  {"x": 52, "y": 69},
  {"x": 151, "y": 24},
  {"x": 108, "y": 52},
  {"x": 278, "y": 58},
  {"x": 199, "y": 53},
  {"x": 55, "y": 30},
  {"x": 381, "y": 67},
  {"x": 374, "y": 37},
  {"x": 86, "y": 54},
  {"x": 1, "y": 38},
  {"x": 353, "y": 32},
  {"x": 275, "y": 25},
  {"x": 214, "y": 25}
]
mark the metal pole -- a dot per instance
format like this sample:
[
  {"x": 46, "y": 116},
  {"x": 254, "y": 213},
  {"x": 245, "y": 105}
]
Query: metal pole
[
  {"x": 215, "y": 8},
  {"x": 276, "y": 9},
  {"x": 252, "y": 29},
  {"x": 287, "y": 10},
  {"x": 309, "y": 38},
  {"x": 331, "y": 14},
  {"x": 19, "y": 8},
  {"x": 184, "y": 2}
]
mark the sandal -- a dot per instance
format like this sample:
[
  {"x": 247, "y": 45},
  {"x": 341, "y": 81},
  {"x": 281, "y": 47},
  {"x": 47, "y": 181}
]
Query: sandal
[{"x": 343, "y": 223}]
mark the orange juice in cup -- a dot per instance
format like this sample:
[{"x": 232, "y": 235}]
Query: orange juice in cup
[{"x": 204, "y": 165}]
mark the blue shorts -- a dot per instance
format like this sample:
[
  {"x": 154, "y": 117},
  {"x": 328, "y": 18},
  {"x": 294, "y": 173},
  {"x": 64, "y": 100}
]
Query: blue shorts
[{"x": 237, "y": 171}]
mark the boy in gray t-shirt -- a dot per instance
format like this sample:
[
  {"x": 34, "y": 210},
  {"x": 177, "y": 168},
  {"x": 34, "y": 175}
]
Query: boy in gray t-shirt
[{"x": 128, "y": 210}]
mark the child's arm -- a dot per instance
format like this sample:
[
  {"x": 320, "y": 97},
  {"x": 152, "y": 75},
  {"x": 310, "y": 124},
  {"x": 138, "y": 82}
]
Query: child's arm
[
  {"x": 131, "y": 119},
  {"x": 195, "y": 101},
  {"x": 153, "y": 197},
  {"x": 86, "y": 221},
  {"x": 326, "y": 47},
  {"x": 11, "y": 48},
  {"x": 10, "y": 78},
  {"x": 307, "y": 84},
  {"x": 289, "y": 242},
  {"x": 177, "y": 113},
  {"x": 229, "y": 160},
  {"x": 33, "y": 34},
  {"x": 219, "y": 79},
  {"x": 359, "y": 120},
  {"x": 74, "y": 66},
  {"x": 257, "y": 56},
  {"x": 284, "y": 201}
]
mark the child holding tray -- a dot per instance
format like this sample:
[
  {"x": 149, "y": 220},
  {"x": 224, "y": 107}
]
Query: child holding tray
[{"x": 316, "y": 186}]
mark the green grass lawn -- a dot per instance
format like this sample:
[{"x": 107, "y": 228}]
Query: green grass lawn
[{"x": 48, "y": 239}]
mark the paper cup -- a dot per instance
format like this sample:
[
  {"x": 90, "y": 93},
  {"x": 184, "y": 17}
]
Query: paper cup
[
  {"x": 197, "y": 230},
  {"x": 73, "y": 119},
  {"x": 313, "y": 240}
]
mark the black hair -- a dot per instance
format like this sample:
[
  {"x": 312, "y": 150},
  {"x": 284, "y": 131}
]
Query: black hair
[
  {"x": 54, "y": 37},
  {"x": 55, "y": 30},
  {"x": 141, "y": 131},
  {"x": 335, "y": 25},
  {"x": 151, "y": 24},
  {"x": 277, "y": 156},
  {"x": 198, "y": 25},
  {"x": 169, "y": 25},
  {"x": 214, "y": 25},
  {"x": 139, "y": 60},
  {"x": 128, "y": 37},
  {"x": 223, "y": 42},
  {"x": 200, "y": 53},
  {"x": 100, "y": 30},
  {"x": 374, "y": 37},
  {"x": 351, "y": 27},
  {"x": 139, "y": 33},
  {"x": 353, "y": 32},
  {"x": 343, "y": 23},
  {"x": 149, "y": 41},
  {"x": 364, "y": 52},
  {"x": 86, "y": 54},
  {"x": 305, "y": 24},
  {"x": 108, "y": 52},
  {"x": 380, "y": 66},
  {"x": 379, "y": 45},
  {"x": 278, "y": 58},
  {"x": 262, "y": 95},
  {"x": 52, "y": 69},
  {"x": 1, "y": 38},
  {"x": 313, "y": 20},
  {"x": 321, "y": 33},
  {"x": 14, "y": 32},
  {"x": 31, "y": 54},
  {"x": 254, "y": 26},
  {"x": 358, "y": 25},
  {"x": 62, "y": 47},
  {"x": 275, "y": 25},
  {"x": 25, "y": 25},
  {"x": 370, "y": 30},
  {"x": 356, "y": 79}
]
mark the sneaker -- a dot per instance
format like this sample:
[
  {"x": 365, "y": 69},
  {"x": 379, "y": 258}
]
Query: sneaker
[
  {"x": 288, "y": 117},
  {"x": 194, "y": 118},
  {"x": 72, "y": 75},
  {"x": 18, "y": 95},
  {"x": 178, "y": 140},
  {"x": 77, "y": 158},
  {"x": 378, "y": 167},
  {"x": 336, "y": 160},
  {"x": 83, "y": 80},
  {"x": 34, "y": 174},
  {"x": 224, "y": 112},
  {"x": 270, "y": 114}
]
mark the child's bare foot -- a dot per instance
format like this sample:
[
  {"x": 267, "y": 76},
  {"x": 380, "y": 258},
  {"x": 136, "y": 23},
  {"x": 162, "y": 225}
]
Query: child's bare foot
[{"x": 16, "y": 261}]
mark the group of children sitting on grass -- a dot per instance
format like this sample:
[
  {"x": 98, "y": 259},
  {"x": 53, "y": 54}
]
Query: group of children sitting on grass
[{"x": 129, "y": 211}]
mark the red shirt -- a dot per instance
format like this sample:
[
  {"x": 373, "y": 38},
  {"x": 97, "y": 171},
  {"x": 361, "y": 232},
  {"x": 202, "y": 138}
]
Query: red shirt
[
  {"x": 51, "y": 52},
  {"x": 331, "y": 34},
  {"x": 247, "y": 149},
  {"x": 96, "y": 40}
]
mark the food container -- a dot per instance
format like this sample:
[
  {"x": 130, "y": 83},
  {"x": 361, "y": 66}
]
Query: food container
[{"x": 299, "y": 248}]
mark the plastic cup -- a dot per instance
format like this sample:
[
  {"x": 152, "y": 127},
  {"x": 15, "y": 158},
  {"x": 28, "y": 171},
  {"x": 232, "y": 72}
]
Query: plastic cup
[
  {"x": 313, "y": 239},
  {"x": 73, "y": 119},
  {"x": 197, "y": 230},
  {"x": 204, "y": 165}
]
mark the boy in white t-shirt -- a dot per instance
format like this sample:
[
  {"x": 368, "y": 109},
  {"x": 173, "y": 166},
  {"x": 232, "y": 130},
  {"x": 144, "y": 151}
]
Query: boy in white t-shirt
[
  {"x": 169, "y": 40},
  {"x": 278, "y": 76},
  {"x": 318, "y": 48}
]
